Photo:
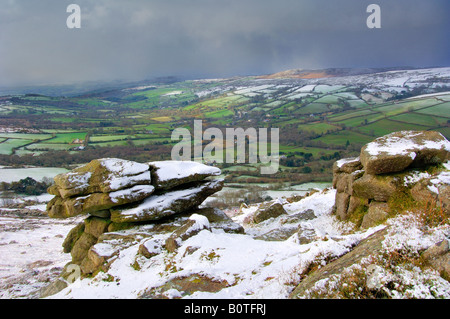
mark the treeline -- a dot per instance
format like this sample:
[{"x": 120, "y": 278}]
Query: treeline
[
  {"x": 27, "y": 186},
  {"x": 140, "y": 154}
]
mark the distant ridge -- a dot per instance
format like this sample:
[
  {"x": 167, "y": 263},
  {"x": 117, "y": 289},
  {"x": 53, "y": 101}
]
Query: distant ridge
[{"x": 327, "y": 73}]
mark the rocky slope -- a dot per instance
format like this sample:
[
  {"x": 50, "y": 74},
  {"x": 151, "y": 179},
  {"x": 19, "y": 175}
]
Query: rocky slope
[{"x": 382, "y": 231}]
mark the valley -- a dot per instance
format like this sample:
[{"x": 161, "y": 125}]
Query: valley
[{"x": 322, "y": 115}]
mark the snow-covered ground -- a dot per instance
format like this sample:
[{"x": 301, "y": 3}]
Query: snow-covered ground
[
  {"x": 31, "y": 254},
  {"x": 32, "y": 257}
]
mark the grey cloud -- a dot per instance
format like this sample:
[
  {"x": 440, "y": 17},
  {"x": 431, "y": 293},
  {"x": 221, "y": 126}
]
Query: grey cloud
[{"x": 139, "y": 39}]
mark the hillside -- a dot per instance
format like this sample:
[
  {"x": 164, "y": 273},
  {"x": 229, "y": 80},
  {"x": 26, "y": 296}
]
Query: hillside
[
  {"x": 137, "y": 233},
  {"x": 321, "y": 119}
]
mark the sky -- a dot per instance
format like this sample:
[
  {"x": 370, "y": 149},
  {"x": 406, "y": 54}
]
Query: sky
[{"x": 131, "y": 40}]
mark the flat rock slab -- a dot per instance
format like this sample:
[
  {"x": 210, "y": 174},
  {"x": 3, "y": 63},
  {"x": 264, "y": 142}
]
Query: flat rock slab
[
  {"x": 366, "y": 247},
  {"x": 397, "y": 151},
  {"x": 69, "y": 207},
  {"x": 170, "y": 174},
  {"x": 102, "y": 176},
  {"x": 173, "y": 202}
]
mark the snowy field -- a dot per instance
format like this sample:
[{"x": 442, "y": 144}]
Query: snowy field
[
  {"x": 38, "y": 173},
  {"x": 32, "y": 257}
]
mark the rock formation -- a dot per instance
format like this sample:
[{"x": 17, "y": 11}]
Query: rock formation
[
  {"x": 116, "y": 194},
  {"x": 388, "y": 167}
]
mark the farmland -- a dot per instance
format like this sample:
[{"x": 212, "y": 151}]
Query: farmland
[{"x": 319, "y": 119}]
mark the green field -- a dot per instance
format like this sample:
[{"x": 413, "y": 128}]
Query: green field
[
  {"x": 107, "y": 138},
  {"x": 27, "y": 136},
  {"x": 341, "y": 138},
  {"x": 6, "y": 147},
  {"x": 67, "y": 138},
  {"x": 50, "y": 146},
  {"x": 385, "y": 126},
  {"x": 438, "y": 110},
  {"x": 136, "y": 123},
  {"x": 318, "y": 128},
  {"x": 416, "y": 118}
]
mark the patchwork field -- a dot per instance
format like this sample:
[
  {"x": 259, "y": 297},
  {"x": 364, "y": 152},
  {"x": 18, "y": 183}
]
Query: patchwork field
[{"x": 318, "y": 119}]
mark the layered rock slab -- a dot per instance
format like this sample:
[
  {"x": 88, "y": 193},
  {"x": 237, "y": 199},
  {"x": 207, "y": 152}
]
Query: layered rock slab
[
  {"x": 170, "y": 203},
  {"x": 397, "y": 151},
  {"x": 102, "y": 176},
  {"x": 170, "y": 174}
]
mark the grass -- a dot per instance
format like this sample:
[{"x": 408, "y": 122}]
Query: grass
[
  {"x": 219, "y": 114},
  {"x": 331, "y": 99},
  {"x": 287, "y": 149},
  {"x": 318, "y": 128},
  {"x": 26, "y": 136},
  {"x": 350, "y": 114},
  {"x": 416, "y": 118},
  {"x": 386, "y": 126},
  {"x": 313, "y": 108},
  {"x": 162, "y": 119},
  {"x": 50, "y": 146},
  {"x": 67, "y": 138},
  {"x": 438, "y": 110},
  {"x": 341, "y": 138},
  {"x": 7, "y": 146},
  {"x": 107, "y": 138}
]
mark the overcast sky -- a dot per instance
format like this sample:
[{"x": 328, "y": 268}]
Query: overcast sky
[{"x": 140, "y": 39}]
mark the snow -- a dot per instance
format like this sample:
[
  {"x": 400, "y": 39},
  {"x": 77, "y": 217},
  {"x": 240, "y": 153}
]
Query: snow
[
  {"x": 168, "y": 170},
  {"x": 119, "y": 182},
  {"x": 133, "y": 191},
  {"x": 200, "y": 222},
  {"x": 160, "y": 203},
  {"x": 252, "y": 268},
  {"x": 104, "y": 249},
  {"x": 343, "y": 161},
  {"x": 428, "y": 95},
  {"x": 442, "y": 178},
  {"x": 79, "y": 180},
  {"x": 402, "y": 145},
  {"x": 30, "y": 251},
  {"x": 123, "y": 167},
  {"x": 414, "y": 177}
]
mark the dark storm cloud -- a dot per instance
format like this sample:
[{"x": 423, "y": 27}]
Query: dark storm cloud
[{"x": 138, "y": 39}]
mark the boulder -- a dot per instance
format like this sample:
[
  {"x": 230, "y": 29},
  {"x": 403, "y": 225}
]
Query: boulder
[
  {"x": 81, "y": 247},
  {"x": 278, "y": 234},
  {"x": 397, "y": 151},
  {"x": 102, "y": 176},
  {"x": 96, "y": 226},
  {"x": 170, "y": 174},
  {"x": 341, "y": 205},
  {"x": 173, "y": 202},
  {"x": 195, "y": 224},
  {"x": 97, "y": 258},
  {"x": 347, "y": 165},
  {"x": 379, "y": 188},
  {"x": 219, "y": 220},
  {"x": 306, "y": 233},
  {"x": 438, "y": 256},
  {"x": 56, "y": 208},
  {"x": 356, "y": 203},
  {"x": 366, "y": 248},
  {"x": 96, "y": 202},
  {"x": 150, "y": 248},
  {"x": 268, "y": 210},
  {"x": 435, "y": 188},
  {"x": 72, "y": 237},
  {"x": 307, "y": 214},
  {"x": 376, "y": 214}
]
